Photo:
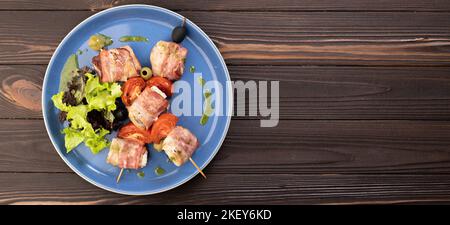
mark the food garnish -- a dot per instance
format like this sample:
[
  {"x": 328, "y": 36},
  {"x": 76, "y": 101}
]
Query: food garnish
[
  {"x": 208, "y": 110},
  {"x": 201, "y": 81},
  {"x": 99, "y": 41},
  {"x": 129, "y": 38},
  {"x": 179, "y": 32},
  {"x": 159, "y": 171},
  {"x": 141, "y": 174},
  {"x": 192, "y": 69},
  {"x": 120, "y": 114},
  {"x": 146, "y": 73},
  {"x": 207, "y": 94},
  {"x": 96, "y": 96},
  {"x": 204, "y": 119},
  {"x": 69, "y": 70}
]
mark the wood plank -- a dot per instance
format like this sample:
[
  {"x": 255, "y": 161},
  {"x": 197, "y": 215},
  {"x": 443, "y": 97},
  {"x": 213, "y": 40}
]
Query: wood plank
[
  {"x": 21, "y": 91},
  {"x": 261, "y": 38},
  {"x": 27, "y": 147},
  {"x": 233, "y": 5},
  {"x": 296, "y": 147},
  {"x": 37, "y": 188},
  {"x": 305, "y": 92},
  {"x": 356, "y": 93}
]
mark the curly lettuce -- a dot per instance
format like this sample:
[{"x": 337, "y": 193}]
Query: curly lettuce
[{"x": 99, "y": 96}]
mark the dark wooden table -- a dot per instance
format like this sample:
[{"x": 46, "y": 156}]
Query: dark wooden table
[{"x": 364, "y": 103}]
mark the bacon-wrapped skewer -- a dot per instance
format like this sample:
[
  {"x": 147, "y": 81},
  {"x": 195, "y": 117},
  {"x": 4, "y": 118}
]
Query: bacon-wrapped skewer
[
  {"x": 167, "y": 59},
  {"x": 116, "y": 64},
  {"x": 145, "y": 104},
  {"x": 179, "y": 145},
  {"x": 127, "y": 154},
  {"x": 128, "y": 150},
  {"x": 147, "y": 107}
]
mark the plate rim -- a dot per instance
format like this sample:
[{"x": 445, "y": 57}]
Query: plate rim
[{"x": 112, "y": 189}]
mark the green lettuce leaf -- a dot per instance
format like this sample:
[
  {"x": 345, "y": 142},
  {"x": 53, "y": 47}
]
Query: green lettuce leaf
[
  {"x": 58, "y": 102},
  {"x": 72, "y": 138},
  {"x": 77, "y": 115},
  {"x": 98, "y": 141},
  {"x": 69, "y": 70},
  {"x": 99, "y": 96}
]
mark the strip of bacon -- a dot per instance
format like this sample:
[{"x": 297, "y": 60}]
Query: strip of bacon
[
  {"x": 167, "y": 59},
  {"x": 116, "y": 64},
  {"x": 127, "y": 154}
]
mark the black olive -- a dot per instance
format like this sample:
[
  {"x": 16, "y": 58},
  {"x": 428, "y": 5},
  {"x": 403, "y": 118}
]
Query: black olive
[
  {"x": 117, "y": 124},
  {"x": 119, "y": 104},
  {"x": 178, "y": 34},
  {"x": 120, "y": 114}
]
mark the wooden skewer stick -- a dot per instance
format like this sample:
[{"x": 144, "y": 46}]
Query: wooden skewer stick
[
  {"x": 120, "y": 175},
  {"x": 198, "y": 168}
]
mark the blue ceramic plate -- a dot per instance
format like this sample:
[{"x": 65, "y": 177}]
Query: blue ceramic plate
[{"x": 156, "y": 24}]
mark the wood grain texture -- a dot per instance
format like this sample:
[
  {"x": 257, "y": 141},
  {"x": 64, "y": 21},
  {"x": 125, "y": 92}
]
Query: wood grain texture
[
  {"x": 305, "y": 92},
  {"x": 259, "y": 38},
  {"x": 20, "y": 91},
  {"x": 234, "y": 5},
  {"x": 356, "y": 92},
  {"x": 236, "y": 189},
  {"x": 295, "y": 147}
]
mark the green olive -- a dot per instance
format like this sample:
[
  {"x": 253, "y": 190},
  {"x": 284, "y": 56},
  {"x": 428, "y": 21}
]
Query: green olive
[{"x": 146, "y": 73}]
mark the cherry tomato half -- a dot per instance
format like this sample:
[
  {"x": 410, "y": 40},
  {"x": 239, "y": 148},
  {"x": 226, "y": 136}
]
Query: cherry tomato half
[
  {"x": 162, "y": 83},
  {"x": 130, "y": 131},
  {"x": 132, "y": 89},
  {"x": 162, "y": 126}
]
